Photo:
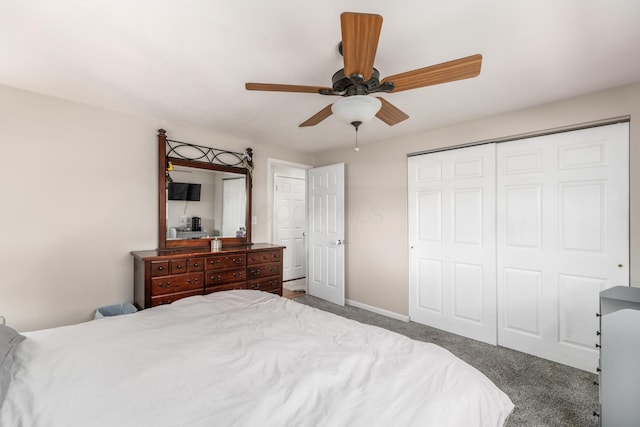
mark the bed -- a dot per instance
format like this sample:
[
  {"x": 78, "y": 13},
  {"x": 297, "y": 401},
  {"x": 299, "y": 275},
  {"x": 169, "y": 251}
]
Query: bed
[{"x": 241, "y": 358}]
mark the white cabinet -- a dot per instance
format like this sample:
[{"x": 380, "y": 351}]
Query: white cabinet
[{"x": 619, "y": 356}]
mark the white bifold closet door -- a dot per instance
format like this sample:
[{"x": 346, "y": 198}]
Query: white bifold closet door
[
  {"x": 512, "y": 242},
  {"x": 452, "y": 241},
  {"x": 563, "y": 236}
]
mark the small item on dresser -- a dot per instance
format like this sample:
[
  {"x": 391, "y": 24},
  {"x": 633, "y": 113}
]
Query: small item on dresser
[{"x": 216, "y": 244}]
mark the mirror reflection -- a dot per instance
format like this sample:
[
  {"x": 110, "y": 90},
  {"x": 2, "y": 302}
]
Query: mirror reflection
[{"x": 204, "y": 203}]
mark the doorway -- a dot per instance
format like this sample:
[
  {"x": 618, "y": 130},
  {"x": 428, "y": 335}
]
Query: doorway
[{"x": 287, "y": 185}]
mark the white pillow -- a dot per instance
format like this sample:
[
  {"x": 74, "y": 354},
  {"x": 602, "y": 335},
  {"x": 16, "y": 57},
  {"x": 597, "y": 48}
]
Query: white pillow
[{"x": 9, "y": 339}]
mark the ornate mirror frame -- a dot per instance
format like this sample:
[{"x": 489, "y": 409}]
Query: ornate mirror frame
[{"x": 196, "y": 156}]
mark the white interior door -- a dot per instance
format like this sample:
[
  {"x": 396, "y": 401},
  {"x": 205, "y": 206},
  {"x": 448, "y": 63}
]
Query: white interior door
[
  {"x": 290, "y": 220},
  {"x": 326, "y": 232},
  {"x": 234, "y": 193},
  {"x": 452, "y": 241},
  {"x": 563, "y": 236}
]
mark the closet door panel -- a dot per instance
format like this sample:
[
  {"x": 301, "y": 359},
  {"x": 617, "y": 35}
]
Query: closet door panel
[
  {"x": 562, "y": 211},
  {"x": 452, "y": 241},
  {"x": 429, "y": 290},
  {"x": 429, "y": 220},
  {"x": 576, "y": 305},
  {"x": 468, "y": 289},
  {"x": 523, "y": 216},
  {"x": 522, "y": 304}
]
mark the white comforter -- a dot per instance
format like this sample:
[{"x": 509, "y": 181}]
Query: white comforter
[{"x": 242, "y": 358}]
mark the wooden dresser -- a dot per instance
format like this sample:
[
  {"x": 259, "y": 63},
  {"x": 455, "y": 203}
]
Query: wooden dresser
[{"x": 163, "y": 276}]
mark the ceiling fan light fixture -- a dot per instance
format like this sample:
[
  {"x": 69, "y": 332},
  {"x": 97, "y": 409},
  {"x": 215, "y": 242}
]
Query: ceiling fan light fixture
[{"x": 356, "y": 108}]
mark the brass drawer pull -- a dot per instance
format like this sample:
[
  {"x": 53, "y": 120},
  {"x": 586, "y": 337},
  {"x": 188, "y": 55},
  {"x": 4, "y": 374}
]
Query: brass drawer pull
[{"x": 166, "y": 286}]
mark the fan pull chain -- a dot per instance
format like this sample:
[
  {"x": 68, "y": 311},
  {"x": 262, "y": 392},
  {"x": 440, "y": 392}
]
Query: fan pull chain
[{"x": 356, "y": 125}]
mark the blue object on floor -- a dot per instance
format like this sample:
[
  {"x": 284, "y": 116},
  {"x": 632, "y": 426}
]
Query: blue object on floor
[{"x": 115, "y": 310}]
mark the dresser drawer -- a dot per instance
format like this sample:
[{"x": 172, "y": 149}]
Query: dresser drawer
[
  {"x": 160, "y": 268},
  {"x": 196, "y": 264},
  {"x": 168, "y": 299},
  {"x": 215, "y": 277},
  {"x": 227, "y": 287},
  {"x": 263, "y": 270},
  {"x": 178, "y": 283},
  {"x": 258, "y": 257},
  {"x": 270, "y": 284},
  {"x": 226, "y": 261},
  {"x": 276, "y": 256},
  {"x": 179, "y": 266}
]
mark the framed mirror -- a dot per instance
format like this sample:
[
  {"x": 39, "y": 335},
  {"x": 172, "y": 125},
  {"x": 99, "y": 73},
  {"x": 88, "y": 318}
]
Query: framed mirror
[{"x": 203, "y": 193}]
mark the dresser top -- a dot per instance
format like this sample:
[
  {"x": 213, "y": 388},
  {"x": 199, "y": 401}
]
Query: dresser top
[
  {"x": 622, "y": 293},
  {"x": 187, "y": 252}
]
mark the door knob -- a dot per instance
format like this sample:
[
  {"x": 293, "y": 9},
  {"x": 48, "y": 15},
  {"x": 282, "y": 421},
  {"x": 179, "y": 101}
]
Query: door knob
[
  {"x": 339, "y": 242},
  {"x": 620, "y": 265}
]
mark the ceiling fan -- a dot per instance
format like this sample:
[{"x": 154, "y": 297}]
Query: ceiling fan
[{"x": 358, "y": 78}]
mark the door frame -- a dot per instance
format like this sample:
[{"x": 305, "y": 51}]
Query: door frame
[{"x": 271, "y": 201}]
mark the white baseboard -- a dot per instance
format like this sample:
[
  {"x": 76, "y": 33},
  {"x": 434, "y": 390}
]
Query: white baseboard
[{"x": 377, "y": 310}]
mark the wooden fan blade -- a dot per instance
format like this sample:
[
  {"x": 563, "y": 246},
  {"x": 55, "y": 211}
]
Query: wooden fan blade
[
  {"x": 360, "y": 34},
  {"x": 450, "y": 71},
  {"x": 284, "y": 88},
  {"x": 390, "y": 114},
  {"x": 318, "y": 117}
]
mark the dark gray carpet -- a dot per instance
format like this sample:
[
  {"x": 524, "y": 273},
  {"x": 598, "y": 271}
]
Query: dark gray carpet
[{"x": 544, "y": 393}]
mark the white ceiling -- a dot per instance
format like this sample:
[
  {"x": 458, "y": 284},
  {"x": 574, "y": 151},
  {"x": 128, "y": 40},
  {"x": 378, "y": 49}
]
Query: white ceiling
[{"x": 187, "y": 61}]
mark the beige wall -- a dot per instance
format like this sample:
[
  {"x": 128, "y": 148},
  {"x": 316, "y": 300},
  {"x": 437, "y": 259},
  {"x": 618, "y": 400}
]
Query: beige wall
[
  {"x": 376, "y": 203},
  {"x": 79, "y": 185},
  {"x": 78, "y": 194}
]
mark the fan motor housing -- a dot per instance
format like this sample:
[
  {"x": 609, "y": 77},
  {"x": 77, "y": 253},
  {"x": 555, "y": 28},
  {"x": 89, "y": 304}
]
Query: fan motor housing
[{"x": 355, "y": 85}]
